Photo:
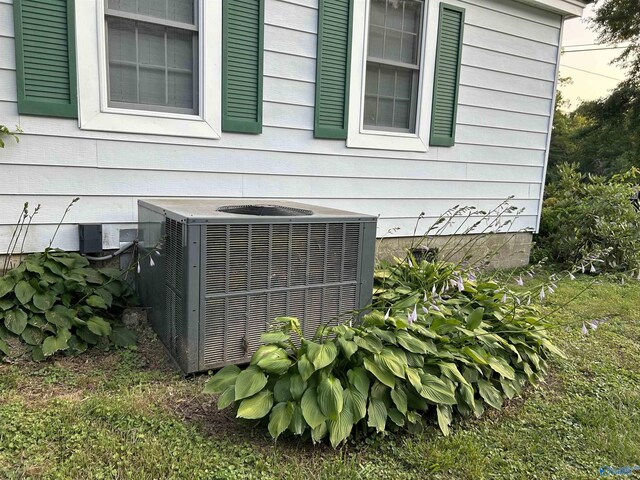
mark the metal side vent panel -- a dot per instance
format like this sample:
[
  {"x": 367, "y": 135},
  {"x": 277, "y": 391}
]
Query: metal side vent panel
[
  {"x": 175, "y": 327},
  {"x": 256, "y": 272}
]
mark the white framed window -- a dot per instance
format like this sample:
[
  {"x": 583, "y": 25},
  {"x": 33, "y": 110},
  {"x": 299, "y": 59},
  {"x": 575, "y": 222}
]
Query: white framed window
[
  {"x": 392, "y": 64},
  {"x": 158, "y": 66}
]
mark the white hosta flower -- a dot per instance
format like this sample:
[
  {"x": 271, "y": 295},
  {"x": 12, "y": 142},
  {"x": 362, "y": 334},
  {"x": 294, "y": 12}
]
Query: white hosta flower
[
  {"x": 471, "y": 277},
  {"x": 435, "y": 307},
  {"x": 518, "y": 301},
  {"x": 593, "y": 326},
  {"x": 584, "y": 330},
  {"x": 424, "y": 298},
  {"x": 386, "y": 315},
  {"x": 542, "y": 294},
  {"x": 592, "y": 269},
  {"x": 138, "y": 268},
  {"x": 529, "y": 300},
  {"x": 410, "y": 262},
  {"x": 460, "y": 284},
  {"x": 425, "y": 310},
  {"x": 504, "y": 298},
  {"x": 551, "y": 290},
  {"x": 582, "y": 268},
  {"x": 151, "y": 262},
  {"x": 520, "y": 282},
  {"x": 572, "y": 276},
  {"x": 413, "y": 316},
  {"x": 433, "y": 289}
]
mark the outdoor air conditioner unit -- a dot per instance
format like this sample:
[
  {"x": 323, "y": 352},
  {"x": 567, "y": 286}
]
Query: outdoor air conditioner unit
[{"x": 227, "y": 267}]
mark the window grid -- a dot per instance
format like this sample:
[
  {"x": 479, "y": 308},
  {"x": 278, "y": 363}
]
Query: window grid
[
  {"x": 372, "y": 120},
  {"x": 169, "y": 26}
]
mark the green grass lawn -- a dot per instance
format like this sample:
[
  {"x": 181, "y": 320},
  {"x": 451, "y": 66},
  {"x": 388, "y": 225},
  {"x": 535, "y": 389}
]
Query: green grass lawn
[{"x": 127, "y": 414}]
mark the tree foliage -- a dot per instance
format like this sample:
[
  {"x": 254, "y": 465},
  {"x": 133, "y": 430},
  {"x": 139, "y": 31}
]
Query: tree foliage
[{"x": 618, "y": 22}]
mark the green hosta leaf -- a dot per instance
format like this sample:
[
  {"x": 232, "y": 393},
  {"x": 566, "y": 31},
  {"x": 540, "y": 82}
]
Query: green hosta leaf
[
  {"x": 508, "y": 388},
  {"x": 60, "y": 316},
  {"x": 321, "y": 355},
  {"x": 24, "y": 292},
  {"x": 282, "y": 389},
  {"x": 450, "y": 370},
  {"x": 552, "y": 348},
  {"x": 36, "y": 354},
  {"x": 255, "y": 407},
  {"x": 250, "y": 382},
  {"x": 297, "y": 386},
  {"x": 32, "y": 335},
  {"x": 380, "y": 372},
  {"x": 44, "y": 301},
  {"x": 474, "y": 320},
  {"x": 414, "y": 378},
  {"x": 274, "y": 337},
  {"x": 359, "y": 378},
  {"x": 444, "y": 418},
  {"x": 500, "y": 366},
  {"x": 330, "y": 398},
  {"x": 222, "y": 380},
  {"x": 356, "y": 402},
  {"x": 340, "y": 428},
  {"x": 399, "y": 397},
  {"x": 348, "y": 347},
  {"x": 305, "y": 367},
  {"x": 319, "y": 432},
  {"x": 262, "y": 352},
  {"x": 310, "y": 408},
  {"x": 477, "y": 354},
  {"x": 394, "y": 363},
  {"x": 467, "y": 395},
  {"x": 96, "y": 301},
  {"x": 99, "y": 326},
  {"x": 122, "y": 337},
  {"x": 437, "y": 391},
  {"x": 32, "y": 266},
  {"x": 411, "y": 343},
  {"x": 280, "y": 418},
  {"x": 396, "y": 416},
  {"x": 370, "y": 343},
  {"x": 276, "y": 362},
  {"x": 53, "y": 344},
  {"x": 490, "y": 394},
  {"x": 76, "y": 345},
  {"x": 6, "y": 304},
  {"x": 15, "y": 320},
  {"x": 88, "y": 336},
  {"x": 4, "y": 347},
  {"x": 377, "y": 414},
  {"x": 298, "y": 424},
  {"x": 7, "y": 285},
  {"x": 105, "y": 295},
  {"x": 227, "y": 398}
]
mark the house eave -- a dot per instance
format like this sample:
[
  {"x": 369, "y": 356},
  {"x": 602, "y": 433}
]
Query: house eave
[{"x": 567, "y": 8}]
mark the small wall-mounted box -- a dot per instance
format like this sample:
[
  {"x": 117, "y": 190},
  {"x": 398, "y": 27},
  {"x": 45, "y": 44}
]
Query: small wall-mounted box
[{"x": 90, "y": 238}]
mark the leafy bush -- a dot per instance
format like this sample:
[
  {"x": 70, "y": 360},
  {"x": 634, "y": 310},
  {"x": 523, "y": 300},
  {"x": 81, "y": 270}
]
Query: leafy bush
[
  {"x": 54, "y": 301},
  {"x": 438, "y": 342},
  {"x": 587, "y": 219}
]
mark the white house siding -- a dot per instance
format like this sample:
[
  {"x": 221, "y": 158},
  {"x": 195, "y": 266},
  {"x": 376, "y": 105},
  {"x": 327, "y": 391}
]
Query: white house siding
[{"x": 505, "y": 103}]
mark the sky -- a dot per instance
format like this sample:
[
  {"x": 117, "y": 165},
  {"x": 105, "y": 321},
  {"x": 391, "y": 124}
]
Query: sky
[{"x": 593, "y": 77}]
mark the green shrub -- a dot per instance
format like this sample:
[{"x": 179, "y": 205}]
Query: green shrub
[
  {"x": 54, "y": 301},
  {"x": 438, "y": 342},
  {"x": 590, "y": 219}
]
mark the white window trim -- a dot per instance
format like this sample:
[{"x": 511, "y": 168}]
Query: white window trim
[
  {"x": 94, "y": 114},
  {"x": 358, "y": 136}
]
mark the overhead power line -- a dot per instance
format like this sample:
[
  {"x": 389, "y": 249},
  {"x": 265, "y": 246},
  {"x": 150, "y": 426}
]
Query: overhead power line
[
  {"x": 590, "y": 72},
  {"x": 590, "y": 49},
  {"x": 592, "y": 45}
]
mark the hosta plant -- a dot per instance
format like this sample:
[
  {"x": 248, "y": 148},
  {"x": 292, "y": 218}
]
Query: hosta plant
[
  {"x": 54, "y": 301},
  {"x": 438, "y": 343}
]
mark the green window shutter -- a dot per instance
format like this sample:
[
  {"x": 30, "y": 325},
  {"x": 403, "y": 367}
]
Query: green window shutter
[
  {"x": 332, "y": 68},
  {"x": 46, "y": 57},
  {"x": 243, "y": 42},
  {"x": 447, "y": 77}
]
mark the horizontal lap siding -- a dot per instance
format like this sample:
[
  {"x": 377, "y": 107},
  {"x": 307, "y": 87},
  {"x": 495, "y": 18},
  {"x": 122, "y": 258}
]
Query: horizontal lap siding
[{"x": 505, "y": 100}]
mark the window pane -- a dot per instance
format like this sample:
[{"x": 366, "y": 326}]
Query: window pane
[
  {"x": 394, "y": 14},
  {"x": 151, "y": 65},
  {"x": 376, "y": 42},
  {"x": 409, "y": 48},
  {"x": 176, "y": 10},
  {"x": 395, "y": 24},
  {"x": 412, "y": 17},
  {"x": 389, "y": 97},
  {"x": 385, "y": 112},
  {"x": 378, "y": 9},
  {"x": 151, "y": 45}
]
